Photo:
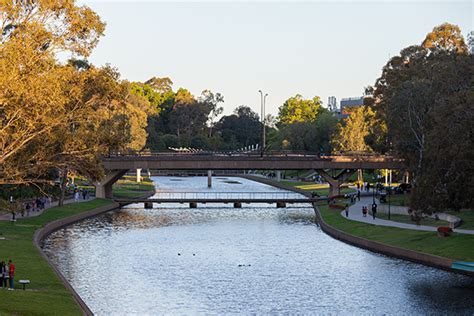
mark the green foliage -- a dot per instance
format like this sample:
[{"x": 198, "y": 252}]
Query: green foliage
[
  {"x": 312, "y": 136},
  {"x": 457, "y": 247},
  {"x": 426, "y": 96},
  {"x": 298, "y": 110}
]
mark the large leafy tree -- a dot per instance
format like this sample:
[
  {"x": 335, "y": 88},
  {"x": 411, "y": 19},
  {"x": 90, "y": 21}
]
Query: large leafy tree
[
  {"x": 34, "y": 88},
  {"x": 352, "y": 133},
  {"x": 241, "y": 129},
  {"x": 416, "y": 95},
  {"x": 299, "y": 110}
]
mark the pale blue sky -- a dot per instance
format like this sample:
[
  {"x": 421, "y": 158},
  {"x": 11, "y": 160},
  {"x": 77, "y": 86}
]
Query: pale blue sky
[{"x": 284, "y": 48}]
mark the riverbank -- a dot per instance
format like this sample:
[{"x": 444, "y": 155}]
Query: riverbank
[
  {"x": 49, "y": 293},
  {"x": 46, "y": 294},
  {"x": 418, "y": 246}
]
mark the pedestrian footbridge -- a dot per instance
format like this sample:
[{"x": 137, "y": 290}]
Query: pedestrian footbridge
[{"x": 281, "y": 199}]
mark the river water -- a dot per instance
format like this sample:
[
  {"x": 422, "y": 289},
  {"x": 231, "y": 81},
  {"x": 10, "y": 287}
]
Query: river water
[{"x": 258, "y": 259}]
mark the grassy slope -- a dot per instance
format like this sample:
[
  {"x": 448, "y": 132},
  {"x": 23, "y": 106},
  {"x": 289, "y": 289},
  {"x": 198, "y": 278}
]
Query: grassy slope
[
  {"x": 46, "y": 294},
  {"x": 407, "y": 219},
  {"x": 457, "y": 247},
  {"x": 321, "y": 189}
]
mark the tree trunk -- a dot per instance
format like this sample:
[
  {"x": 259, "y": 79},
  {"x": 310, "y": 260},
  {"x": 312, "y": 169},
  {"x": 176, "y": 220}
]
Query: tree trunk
[{"x": 63, "y": 187}]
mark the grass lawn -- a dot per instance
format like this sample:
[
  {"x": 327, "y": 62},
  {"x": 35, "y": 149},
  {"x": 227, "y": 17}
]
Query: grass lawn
[
  {"x": 407, "y": 219},
  {"x": 46, "y": 295},
  {"x": 399, "y": 199},
  {"x": 320, "y": 188},
  {"x": 458, "y": 247},
  {"x": 128, "y": 188},
  {"x": 467, "y": 219}
]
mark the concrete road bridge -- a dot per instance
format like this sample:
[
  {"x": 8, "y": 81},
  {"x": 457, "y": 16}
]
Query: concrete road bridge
[{"x": 116, "y": 165}]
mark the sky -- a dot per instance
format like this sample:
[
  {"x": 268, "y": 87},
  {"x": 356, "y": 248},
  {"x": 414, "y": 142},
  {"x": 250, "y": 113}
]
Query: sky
[{"x": 318, "y": 48}]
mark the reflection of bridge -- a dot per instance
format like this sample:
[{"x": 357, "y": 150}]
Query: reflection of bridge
[
  {"x": 117, "y": 165},
  {"x": 237, "y": 198}
]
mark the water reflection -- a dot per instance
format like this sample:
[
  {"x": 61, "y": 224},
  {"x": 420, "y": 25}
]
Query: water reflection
[{"x": 221, "y": 260}]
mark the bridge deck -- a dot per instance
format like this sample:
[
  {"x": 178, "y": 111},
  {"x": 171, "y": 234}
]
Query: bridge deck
[{"x": 223, "y": 200}]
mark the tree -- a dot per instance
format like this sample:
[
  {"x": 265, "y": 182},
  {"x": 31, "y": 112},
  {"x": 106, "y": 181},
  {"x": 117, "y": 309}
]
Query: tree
[
  {"x": 212, "y": 100},
  {"x": 298, "y": 110},
  {"x": 33, "y": 86},
  {"x": 241, "y": 129},
  {"x": 446, "y": 37},
  {"x": 309, "y": 136},
  {"x": 416, "y": 96},
  {"x": 351, "y": 134}
]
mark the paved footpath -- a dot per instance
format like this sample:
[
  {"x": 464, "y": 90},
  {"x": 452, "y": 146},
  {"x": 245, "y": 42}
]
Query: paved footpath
[
  {"x": 8, "y": 216},
  {"x": 355, "y": 214}
]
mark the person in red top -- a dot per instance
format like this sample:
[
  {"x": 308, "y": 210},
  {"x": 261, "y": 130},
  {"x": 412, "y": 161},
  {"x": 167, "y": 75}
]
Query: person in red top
[{"x": 11, "y": 273}]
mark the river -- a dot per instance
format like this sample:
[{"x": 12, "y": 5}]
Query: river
[{"x": 258, "y": 259}]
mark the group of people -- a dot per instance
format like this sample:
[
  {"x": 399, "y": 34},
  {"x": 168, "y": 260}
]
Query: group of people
[
  {"x": 35, "y": 205},
  {"x": 80, "y": 193},
  {"x": 7, "y": 275},
  {"x": 364, "y": 186}
]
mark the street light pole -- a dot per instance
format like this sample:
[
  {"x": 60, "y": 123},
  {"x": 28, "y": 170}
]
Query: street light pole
[{"x": 263, "y": 99}]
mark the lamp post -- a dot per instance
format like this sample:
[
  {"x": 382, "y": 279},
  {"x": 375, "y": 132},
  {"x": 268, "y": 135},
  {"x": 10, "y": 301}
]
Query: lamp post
[
  {"x": 389, "y": 192},
  {"x": 263, "y": 99}
]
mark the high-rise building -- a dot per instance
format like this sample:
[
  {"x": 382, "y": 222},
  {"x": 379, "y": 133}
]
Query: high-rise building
[
  {"x": 470, "y": 42},
  {"x": 348, "y": 104},
  {"x": 332, "y": 104}
]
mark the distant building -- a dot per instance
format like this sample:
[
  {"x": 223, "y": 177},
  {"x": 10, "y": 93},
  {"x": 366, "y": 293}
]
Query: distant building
[
  {"x": 348, "y": 104},
  {"x": 332, "y": 104},
  {"x": 470, "y": 42}
]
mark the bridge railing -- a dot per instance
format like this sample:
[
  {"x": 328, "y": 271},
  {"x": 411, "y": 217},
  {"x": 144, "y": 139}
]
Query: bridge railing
[
  {"x": 229, "y": 195},
  {"x": 271, "y": 153}
]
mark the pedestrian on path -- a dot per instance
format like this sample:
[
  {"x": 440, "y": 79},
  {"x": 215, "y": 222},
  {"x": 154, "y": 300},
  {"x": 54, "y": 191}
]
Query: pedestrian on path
[
  {"x": 374, "y": 210},
  {"x": 364, "y": 211},
  {"x": 358, "y": 195},
  {"x": 3, "y": 269},
  {"x": 11, "y": 274},
  {"x": 347, "y": 210}
]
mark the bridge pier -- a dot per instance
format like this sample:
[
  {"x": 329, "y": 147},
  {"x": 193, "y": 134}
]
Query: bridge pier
[
  {"x": 193, "y": 205},
  {"x": 103, "y": 188},
  {"x": 209, "y": 178},
  {"x": 139, "y": 175},
  {"x": 281, "y": 204},
  {"x": 336, "y": 182},
  {"x": 148, "y": 205},
  {"x": 278, "y": 175},
  {"x": 237, "y": 205}
]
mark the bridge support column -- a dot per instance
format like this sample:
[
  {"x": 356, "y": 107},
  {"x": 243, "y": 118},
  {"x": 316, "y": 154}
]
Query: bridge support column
[
  {"x": 281, "y": 204},
  {"x": 103, "y": 188},
  {"x": 209, "y": 178},
  {"x": 278, "y": 175},
  {"x": 193, "y": 205},
  {"x": 148, "y": 205},
  {"x": 336, "y": 182},
  {"x": 139, "y": 175},
  {"x": 237, "y": 205}
]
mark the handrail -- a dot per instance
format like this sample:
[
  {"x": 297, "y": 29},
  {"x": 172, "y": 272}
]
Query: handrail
[{"x": 227, "y": 195}]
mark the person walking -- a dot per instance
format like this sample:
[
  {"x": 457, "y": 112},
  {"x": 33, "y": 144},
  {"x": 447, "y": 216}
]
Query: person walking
[
  {"x": 2, "y": 273},
  {"x": 364, "y": 211},
  {"x": 11, "y": 274},
  {"x": 358, "y": 195},
  {"x": 346, "y": 209},
  {"x": 374, "y": 210}
]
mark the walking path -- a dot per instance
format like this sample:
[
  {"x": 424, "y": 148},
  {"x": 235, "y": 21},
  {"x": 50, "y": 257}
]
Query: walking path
[
  {"x": 355, "y": 214},
  {"x": 8, "y": 216}
]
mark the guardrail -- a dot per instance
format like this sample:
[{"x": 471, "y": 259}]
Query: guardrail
[{"x": 228, "y": 195}]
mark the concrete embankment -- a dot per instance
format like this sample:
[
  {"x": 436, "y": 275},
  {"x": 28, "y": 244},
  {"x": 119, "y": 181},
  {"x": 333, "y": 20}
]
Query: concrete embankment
[
  {"x": 402, "y": 253},
  {"x": 51, "y": 227}
]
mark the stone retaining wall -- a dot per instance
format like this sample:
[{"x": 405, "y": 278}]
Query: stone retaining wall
[
  {"x": 402, "y": 253},
  {"x": 51, "y": 227}
]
